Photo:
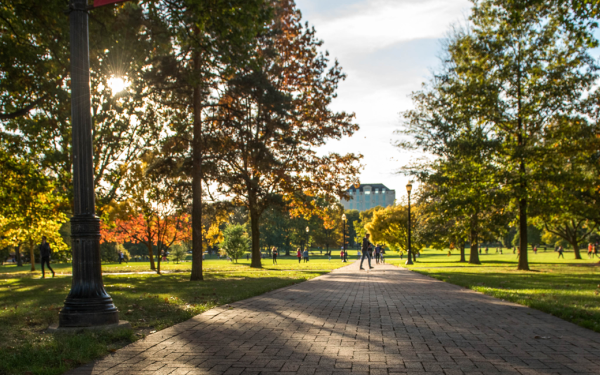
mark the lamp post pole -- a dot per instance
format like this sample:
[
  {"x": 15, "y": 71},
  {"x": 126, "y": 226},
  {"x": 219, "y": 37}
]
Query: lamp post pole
[
  {"x": 307, "y": 229},
  {"x": 409, "y": 261},
  {"x": 344, "y": 238},
  {"x": 87, "y": 304}
]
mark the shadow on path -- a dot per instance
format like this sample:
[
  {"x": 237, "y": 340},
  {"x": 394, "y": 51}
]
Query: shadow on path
[{"x": 386, "y": 321}]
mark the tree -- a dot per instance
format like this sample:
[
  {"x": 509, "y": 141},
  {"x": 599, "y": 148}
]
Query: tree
[
  {"x": 364, "y": 218},
  {"x": 329, "y": 227},
  {"x": 209, "y": 38},
  {"x": 272, "y": 116},
  {"x": 35, "y": 97},
  {"x": 30, "y": 208},
  {"x": 179, "y": 252},
  {"x": 235, "y": 241},
  {"x": 352, "y": 216},
  {"x": 152, "y": 214},
  {"x": 534, "y": 66},
  {"x": 390, "y": 226},
  {"x": 570, "y": 192}
]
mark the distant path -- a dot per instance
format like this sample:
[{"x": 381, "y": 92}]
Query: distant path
[
  {"x": 25, "y": 274},
  {"x": 386, "y": 321}
]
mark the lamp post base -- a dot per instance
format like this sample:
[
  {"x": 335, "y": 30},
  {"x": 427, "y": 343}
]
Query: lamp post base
[
  {"x": 91, "y": 319},
  {"x": 121, "y": 324}
]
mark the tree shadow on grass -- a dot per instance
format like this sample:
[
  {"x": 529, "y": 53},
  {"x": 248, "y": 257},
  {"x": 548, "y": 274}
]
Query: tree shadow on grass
[{"x": 148, "y": 302}]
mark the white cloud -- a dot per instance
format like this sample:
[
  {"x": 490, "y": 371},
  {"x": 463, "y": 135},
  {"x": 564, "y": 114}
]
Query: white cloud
[{"x": 387, "y": 48}]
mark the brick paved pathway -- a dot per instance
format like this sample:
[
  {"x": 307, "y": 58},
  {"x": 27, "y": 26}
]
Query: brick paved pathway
[{"x": 386, "y": 321}]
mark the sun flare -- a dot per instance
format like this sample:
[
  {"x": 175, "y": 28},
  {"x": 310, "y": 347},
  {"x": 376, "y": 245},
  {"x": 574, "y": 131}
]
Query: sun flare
[{"x": 117, "y": 84}]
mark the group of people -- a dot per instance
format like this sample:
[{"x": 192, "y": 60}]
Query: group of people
[
  {"x": 302, "y": 255},
  {"x": 593, "y": 250},
  {"x": 367, "y": 252}
]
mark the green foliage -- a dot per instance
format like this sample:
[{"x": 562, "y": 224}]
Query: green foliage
[
  {"x": 179, "y": 252},
  {"x": 506, "y": 118},
  {"x": 235, "y": 241},
  {"x": 109, "y": 252},
  {"x": 390, "y": 226},
  {"x": 353, "y": 217},
  {"x": 30, "y": 209},
  {"x": 553, "y": 240},
  {"x": 364, "y": 218},
  {"x": 534, "y": 237}
]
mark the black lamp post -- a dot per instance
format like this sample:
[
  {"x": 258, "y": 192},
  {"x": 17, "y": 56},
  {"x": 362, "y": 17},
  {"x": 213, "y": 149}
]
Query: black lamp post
[
  {"x": 88, "y": 304},
  {"x": 307, "y": 230},
  {"x": 408, "y": 189},
  {"x": 344, "y": 239}
]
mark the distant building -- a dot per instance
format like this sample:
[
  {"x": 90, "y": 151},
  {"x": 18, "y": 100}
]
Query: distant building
[{"x": 368, "y": 196}]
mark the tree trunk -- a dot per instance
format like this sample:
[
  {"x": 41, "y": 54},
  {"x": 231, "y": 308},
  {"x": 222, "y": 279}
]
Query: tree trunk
[
  {"x": 158, "y": 250},
  {"x": 523, "y": 262},
  {"x": 18, "y": 256},
  {"x": 254, "y": 228},
  {"x": 576, "y": 249},
  {"x": 151, "y": 255},
  {"x": 474, "y": 255},
  {"x": 197, "y": 180},
  {"x": 462, "y": 252},
  {"x": 32, "y": 255}
]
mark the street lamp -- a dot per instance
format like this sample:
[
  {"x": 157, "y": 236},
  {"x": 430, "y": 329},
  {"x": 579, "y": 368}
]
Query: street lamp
[
  {"x": 344, "y": 239},
  {"x": 408, "y": 189},
  {"x": 307, "y": 238},
  {"x": 88, "y": 304}
]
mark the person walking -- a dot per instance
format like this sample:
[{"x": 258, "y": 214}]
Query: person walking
[
  {"x": 274, "y": 252},
  {"x": 382, "y": 254},
  {"x": 365, "y": 250},
  {"x": 560, "y": 252},
  {"x": 305, "y": 255},
  {"x": 590, "y": 250},
  {"x": 45, "y": 252},
  {"x": 299, "y": 255},
  {"x": 329, "y": 254},
  {"x": 377, "y": 253},
  {"x": 342, "y": 255}
]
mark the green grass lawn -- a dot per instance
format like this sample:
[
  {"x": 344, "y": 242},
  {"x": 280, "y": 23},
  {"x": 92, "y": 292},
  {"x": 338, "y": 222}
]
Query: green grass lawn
[
  {"x": 212, "y": 263},
  {"x": 566, "y": 288},
  {"x": 150, "y": 302}
]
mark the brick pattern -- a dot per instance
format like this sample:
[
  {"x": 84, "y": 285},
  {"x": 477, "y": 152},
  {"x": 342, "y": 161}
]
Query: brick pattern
[{"x": 385, "y": 321}]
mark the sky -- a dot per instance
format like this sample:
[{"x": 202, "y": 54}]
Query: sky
[{"x": 387, "y": 48}]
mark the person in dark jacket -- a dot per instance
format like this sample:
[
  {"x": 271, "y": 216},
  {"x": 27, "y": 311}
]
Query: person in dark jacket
[
  {"x": 45, "y": 252},
  {"x": 365, "y": 250}
]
